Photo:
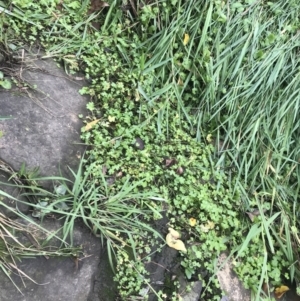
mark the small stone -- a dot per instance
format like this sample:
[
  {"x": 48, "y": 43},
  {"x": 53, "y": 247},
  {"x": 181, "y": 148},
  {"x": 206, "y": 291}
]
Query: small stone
[
  {"x": 229, "y": 281},
  {"x": 180, "y": 170},
  {"x": 139, "y": 143},
  {"x": 194, "y": 294}
]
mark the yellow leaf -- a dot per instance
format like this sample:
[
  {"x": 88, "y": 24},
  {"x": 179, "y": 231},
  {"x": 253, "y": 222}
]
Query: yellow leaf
[
  {"x": 209, "y": 138},
  {"x": 186, "y": 39},
  {"x": 207, "y": 227},
  {"x": 90, "y": 125},
  {"x": 174, "y": 233},
  {"x": 180, "y": 82},
  {"x": 280, "y": 291},
  {"x": 176, "y": 244},
  {"x": 137, "y": 95},
  {"x": 111, "y": 118},
  {"x": 204, "y": 228},
  {"x": 192, "y": 221},
  {"x": 210, "y": 225}
]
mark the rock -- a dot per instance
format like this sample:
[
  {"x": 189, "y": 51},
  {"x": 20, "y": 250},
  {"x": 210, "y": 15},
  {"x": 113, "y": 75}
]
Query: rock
[
  {"x": 14, "y": 192},
  {"x": 162, "y": 267},
  {"x": 44, "y": 128},
  {"x": 44, "y": 131},
  {"x": 139, "y": 143},
  {"x": 194, "y": 294},
  {"x": 58, "y": 277},
  {"x": 104, "y": 287},
  {"x": 230, "y": 283}
]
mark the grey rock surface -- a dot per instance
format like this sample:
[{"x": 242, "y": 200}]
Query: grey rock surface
[
  {"x": 104, "y": 288},
  {"x": 16, "y": 193},
  {"x": 57, "y": 278},
  {"x": 44, "y": 132},
  {"x": 230, "y": 283},
  {"x": 44, "y": 129},
  {"x": 194, "y": 294}
]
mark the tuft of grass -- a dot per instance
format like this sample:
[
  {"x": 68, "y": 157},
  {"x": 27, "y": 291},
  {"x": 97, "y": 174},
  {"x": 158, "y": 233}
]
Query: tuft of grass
[
  {"x": 237, "y": 79},
  {"x": 113, "y": 216},
  {"x": 12, "y": 246}
]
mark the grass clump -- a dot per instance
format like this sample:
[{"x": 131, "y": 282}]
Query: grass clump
[{"x": 24, "y": 238}]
